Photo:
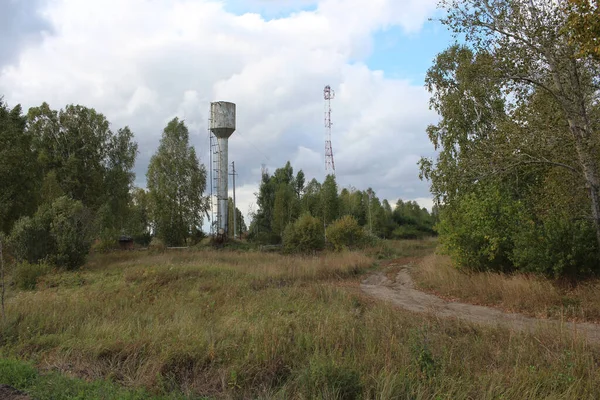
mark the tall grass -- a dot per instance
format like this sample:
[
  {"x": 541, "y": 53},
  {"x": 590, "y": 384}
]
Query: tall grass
[
  {"x": 523, "y": 293},
  {"x": 252, "y": 325}
]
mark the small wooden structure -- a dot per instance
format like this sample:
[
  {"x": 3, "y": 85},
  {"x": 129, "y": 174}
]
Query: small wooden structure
[{"x": 125, "y": 242}]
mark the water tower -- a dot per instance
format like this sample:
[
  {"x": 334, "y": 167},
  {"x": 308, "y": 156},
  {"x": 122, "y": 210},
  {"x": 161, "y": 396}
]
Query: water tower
[{"x": 222, "y": 125}]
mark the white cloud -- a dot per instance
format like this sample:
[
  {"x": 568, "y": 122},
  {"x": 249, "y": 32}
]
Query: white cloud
[{"x": 143, "y": 62}]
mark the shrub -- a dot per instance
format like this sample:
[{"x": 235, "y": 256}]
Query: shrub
[
  {"x": 157, "y": 245},
  {"x": 304, "y": 235},
  {"x": 346, "y": 233},
  {"x": 30, "y": 239},
  {"x": 59, "y": 233},
  {"x": 477, "y": 229},
  {"x": 104, "y": 245},
  {"x": 409, "y": 232},
  {"x": 556, "y": 247},
  {"x": 26, "y": 274}
]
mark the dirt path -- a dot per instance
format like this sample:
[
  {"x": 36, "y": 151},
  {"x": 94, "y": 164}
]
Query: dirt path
[
  {"x": 403, "y": 294},
  {"x": 9, "y": 393}
]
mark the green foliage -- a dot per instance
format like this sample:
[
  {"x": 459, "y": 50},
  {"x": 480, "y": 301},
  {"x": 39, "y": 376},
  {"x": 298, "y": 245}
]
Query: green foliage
[
  {"x": 518, "y": 169},
  {"x": 71, "y": 234},
  {"x": 59, "y": 233},
  {"x": 279, "y": 204},
  {"x": 139, "y": 217},
  {"x": 18, "y": 168},
  {"x": 157, "y": 245},
  {"x": 556, "y": 247},
  {"x": 285, "y": 208},
  {"x": 241, "y": 224},
  {"x": 583, "y": 26},
  {"x": 54, "y": 386},
  {"x": 176, "y": 184},
  {"x": 81, "y": 157},
  {"x": 304, "y": 235},
  {"x": 477, "y": 230},
  {"x": 26, "y": 274},
  {"x": 104, "y": 245},
  {"x": 330, "y": 202},
  {"x": 409, "y": 232},
  {"x": 282, "y": 198},
  {"x": 30, "y": 239},
  {"x": 345, "y": 233},
  {"x": 325, "y": 379}
]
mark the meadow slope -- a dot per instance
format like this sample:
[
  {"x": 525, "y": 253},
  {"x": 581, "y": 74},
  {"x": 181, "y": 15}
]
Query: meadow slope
[{"x": 251, "y": 325}]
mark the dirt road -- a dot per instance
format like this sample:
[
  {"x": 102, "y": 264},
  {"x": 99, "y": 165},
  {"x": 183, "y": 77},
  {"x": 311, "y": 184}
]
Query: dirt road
[
  {"x": 403, "y": 294},
  {"x": 9, "y": 393}
]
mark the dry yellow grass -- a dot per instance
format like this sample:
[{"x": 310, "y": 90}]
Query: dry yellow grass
[
  {"x": 528, "y": 294},
  {"x": 253, "y": 325}
]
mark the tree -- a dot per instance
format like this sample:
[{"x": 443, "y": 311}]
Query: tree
[
  {"x": 519, "y": 123},
  {"x": 19, "y": 170},
  {"x": 139, "y": 217},
  {"x": 345, "y": 233},
  {"x": 304, "y": 235},
  {"x": 312, "y": 198},
  {"x": 176, "y": 184},
  {"x": 285, "y": 208},
  {"x": 299, "y": 183},
  {"x": 330, "y": 206},
  {"x": 584, "y": 26},
  {"x": 241, "y": 225},
  {"x": 59, "y": 233},
  {"x": 82, "y": 158},
  {"x": 529, "y": 50},
  {"x": 121, "y": 154},
  {"x": 278, "y": 201}
]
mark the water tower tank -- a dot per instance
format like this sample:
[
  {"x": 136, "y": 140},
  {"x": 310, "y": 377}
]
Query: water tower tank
[
  {"x": 222, "y": 122},
  {"x": 222, "y": 125}
]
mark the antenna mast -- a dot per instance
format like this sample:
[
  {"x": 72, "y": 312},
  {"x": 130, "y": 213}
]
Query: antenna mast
[{"x": 329, "y": 94}]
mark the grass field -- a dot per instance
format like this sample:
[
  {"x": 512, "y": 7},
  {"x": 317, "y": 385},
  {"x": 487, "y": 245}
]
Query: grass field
[
  {"x": 527, "y": 294},
  {"x": 252, "y": 325}
]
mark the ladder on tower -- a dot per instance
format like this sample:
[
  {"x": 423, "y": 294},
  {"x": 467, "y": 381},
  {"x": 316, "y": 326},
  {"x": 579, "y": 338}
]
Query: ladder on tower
[{"x": 216, "y": 157}]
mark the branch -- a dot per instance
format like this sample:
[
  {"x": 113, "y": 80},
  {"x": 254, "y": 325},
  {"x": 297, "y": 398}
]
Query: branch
[
  {"x": 532, "y": 162},
  {"x": 535, "y": 83}
]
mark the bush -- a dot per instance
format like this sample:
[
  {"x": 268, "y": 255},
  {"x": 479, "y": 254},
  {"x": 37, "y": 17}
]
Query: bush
[
  {"x": 409, "y": 232},
  {"x": 157, "y": 245},
  {"x": 477, "y": 229},
  {"x": 59, "y": 233},
  {"x": 30, "y": 239},
  {"x": 556, "y": 247},
  {"x": 346, "y": 233},
  {"x": 304, "y": 235},
  {"x": 104, "y": 245},
  {"x": 26, "y": 274}
]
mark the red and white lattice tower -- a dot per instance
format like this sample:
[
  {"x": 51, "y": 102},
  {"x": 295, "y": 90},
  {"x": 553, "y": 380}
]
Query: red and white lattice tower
[{"x": 329, "y": 94}]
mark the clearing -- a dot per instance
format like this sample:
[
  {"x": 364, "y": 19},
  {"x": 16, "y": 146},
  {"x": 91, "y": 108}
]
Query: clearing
[{"x": 201, "y": 323}]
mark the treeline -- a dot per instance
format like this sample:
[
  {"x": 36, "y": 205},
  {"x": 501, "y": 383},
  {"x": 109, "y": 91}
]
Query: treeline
[
  {"x": 67, "y": 181},
  {"x": 518, "y": 172},
  {"x": 284, "y": 197}
]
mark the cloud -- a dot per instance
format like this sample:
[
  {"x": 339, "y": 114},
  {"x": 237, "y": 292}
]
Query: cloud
[
  {"x": 20, "y": 26},
  {"x": 141, "y": 63}
]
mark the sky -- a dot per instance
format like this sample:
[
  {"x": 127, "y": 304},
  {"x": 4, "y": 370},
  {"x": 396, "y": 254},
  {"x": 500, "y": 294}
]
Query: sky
[{"x": 143, "y": 62}]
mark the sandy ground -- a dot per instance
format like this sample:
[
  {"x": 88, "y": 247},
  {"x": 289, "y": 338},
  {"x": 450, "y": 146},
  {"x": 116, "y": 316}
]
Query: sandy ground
[{"x": 403, "y": 294}]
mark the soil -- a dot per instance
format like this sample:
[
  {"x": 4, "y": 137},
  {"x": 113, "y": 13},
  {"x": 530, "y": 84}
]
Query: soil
[
  {"x": 9, "y": 393},
  {"x": 403, "y": 294}
]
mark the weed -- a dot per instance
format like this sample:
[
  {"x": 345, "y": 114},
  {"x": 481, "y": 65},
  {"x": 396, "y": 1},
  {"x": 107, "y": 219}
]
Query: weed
[{"x": 27, "y": 275}]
